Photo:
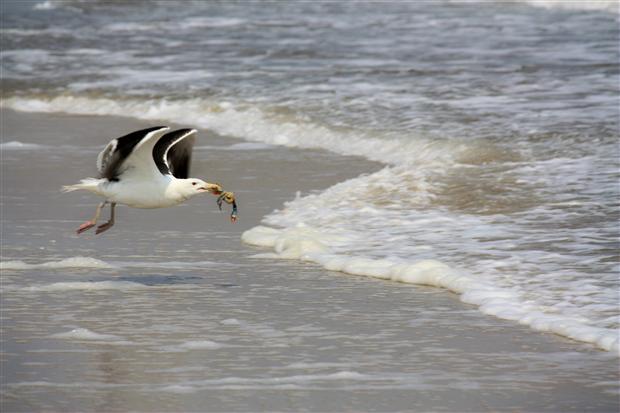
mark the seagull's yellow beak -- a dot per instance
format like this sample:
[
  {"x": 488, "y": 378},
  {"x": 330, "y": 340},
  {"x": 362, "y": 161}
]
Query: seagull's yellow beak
[{"x": 215, "y": 189}]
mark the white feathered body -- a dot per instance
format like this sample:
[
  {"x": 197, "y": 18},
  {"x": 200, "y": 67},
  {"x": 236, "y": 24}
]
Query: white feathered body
[{"x": 156, "y": 193}]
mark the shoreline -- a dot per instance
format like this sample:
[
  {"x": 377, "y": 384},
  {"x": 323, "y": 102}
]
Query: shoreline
[{"x": 357, "y": 341}]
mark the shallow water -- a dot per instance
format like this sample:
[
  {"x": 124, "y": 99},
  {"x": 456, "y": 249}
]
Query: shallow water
[
  {"x": 495, "y": 127},
  {"x": 236, "y": 338},
  {"x": 168, "y": 311},
  {"x": 497, "y": 124}
]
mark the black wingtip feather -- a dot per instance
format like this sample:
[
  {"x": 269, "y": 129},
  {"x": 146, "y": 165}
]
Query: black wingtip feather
[
  {"x": 173, "y": 156},
  {"x": 124, "y": 146}
]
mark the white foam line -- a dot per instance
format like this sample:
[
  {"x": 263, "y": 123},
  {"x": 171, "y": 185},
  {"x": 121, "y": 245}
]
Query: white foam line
[
  {"x": 83, "y": 286},
  {"x": 88, "y": 262},
  {"x": 586, "y": 5},
  {"x": 169, "y": 264},
  {"x": 591, "y": 5},
  {"x": 20, "y": 146},
  {"x": 282, "y": 382},
  {"x": 73, "y": 262},
  {"x": 193, "y": 345},
  {"x": 84, "y": 334},
  {"x": 250, "y": 124},
  {"x": 305, "y": 243},
  {"x": 276, "y": 382}
]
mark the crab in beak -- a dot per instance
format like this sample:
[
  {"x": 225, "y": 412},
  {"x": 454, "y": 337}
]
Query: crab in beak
[{"x": 229, "y": 198}]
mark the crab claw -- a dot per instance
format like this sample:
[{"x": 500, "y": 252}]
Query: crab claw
[
  {"x": 233, "y": 214},
  {"x": 229, "y": 198}
]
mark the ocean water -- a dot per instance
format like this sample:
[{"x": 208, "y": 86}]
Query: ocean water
[{"x": 496, "y": 124}]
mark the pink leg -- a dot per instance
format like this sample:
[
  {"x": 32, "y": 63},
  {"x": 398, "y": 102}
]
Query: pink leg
[
  {"x": 85, "y": 226},
  {"x": 108, "y": 224},
  {"x": 89, "y": 224}
]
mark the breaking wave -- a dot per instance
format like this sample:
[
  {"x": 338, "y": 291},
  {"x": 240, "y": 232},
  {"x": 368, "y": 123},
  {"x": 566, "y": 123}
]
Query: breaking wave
[
  {"x": 439, "y": 212},
  {"x": 314, "y": 245}
]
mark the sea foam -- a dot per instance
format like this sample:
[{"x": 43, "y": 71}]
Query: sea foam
[
  {"x": 84, "y": 334},
  {"x": 586, "y": 5},
  {"x": 193, "y": 345},
  {"x": 19, "y": 146},
  {"x": 85, "y": 286},
  {"x": 311, "y": 245},
  {"x": 301, "y": 381},
  {"x": 603, "y": 5},
  {"x": 73, "y": 262}
]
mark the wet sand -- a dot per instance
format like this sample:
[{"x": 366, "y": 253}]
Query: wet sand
[{"x": 191, "y": 320}]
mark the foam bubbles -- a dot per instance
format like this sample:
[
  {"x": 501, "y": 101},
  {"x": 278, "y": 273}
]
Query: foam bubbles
[
  {"x": 85, "y": 286},
  {"x": 193, "y": 345},
  {"x": 590, "y": 5},
  {"x": 215, "y": 22},
  {"x": 200, "y": 345},
  {"x": 73, "y": 262},
  {"x": 46, "y": 5},
  {"x": 179, "y": 389},
  {"x": 84, "y": 334},
  {"x": 604, "y": 5},
  {"x": 19, "y": 146}
]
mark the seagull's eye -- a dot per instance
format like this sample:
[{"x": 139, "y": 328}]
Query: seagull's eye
[{"x": 194, "y": 183}]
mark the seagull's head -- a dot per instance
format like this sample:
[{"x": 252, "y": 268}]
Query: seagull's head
[
  {"x": 194, "y": 186},
  {"x": 190, "y": 187}
]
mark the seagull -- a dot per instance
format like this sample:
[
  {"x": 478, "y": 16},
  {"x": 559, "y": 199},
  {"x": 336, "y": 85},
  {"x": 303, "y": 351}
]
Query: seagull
[{"x": 148, "y": 168}]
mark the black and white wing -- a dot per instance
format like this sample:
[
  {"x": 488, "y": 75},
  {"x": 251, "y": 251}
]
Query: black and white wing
[
  {"x": 127, "y": 152},
  {"x": 173, "y": 153}
]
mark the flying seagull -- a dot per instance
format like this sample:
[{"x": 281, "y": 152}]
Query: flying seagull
[{"x": 148, "y": 168}]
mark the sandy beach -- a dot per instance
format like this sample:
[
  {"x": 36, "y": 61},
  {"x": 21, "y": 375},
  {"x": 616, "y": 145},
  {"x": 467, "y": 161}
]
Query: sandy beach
[
  {"x": 170, "y": 311},
  {"x": 428, "y": 207}
]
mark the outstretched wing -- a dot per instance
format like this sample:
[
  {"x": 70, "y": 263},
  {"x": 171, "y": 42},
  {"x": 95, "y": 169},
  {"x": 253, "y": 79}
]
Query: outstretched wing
[
  {"x": 173, "y": 153},
  {"x": 124, "y": 153}
]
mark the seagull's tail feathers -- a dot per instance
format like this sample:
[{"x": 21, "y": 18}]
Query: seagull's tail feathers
[{"x": 88, "y": 184}]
